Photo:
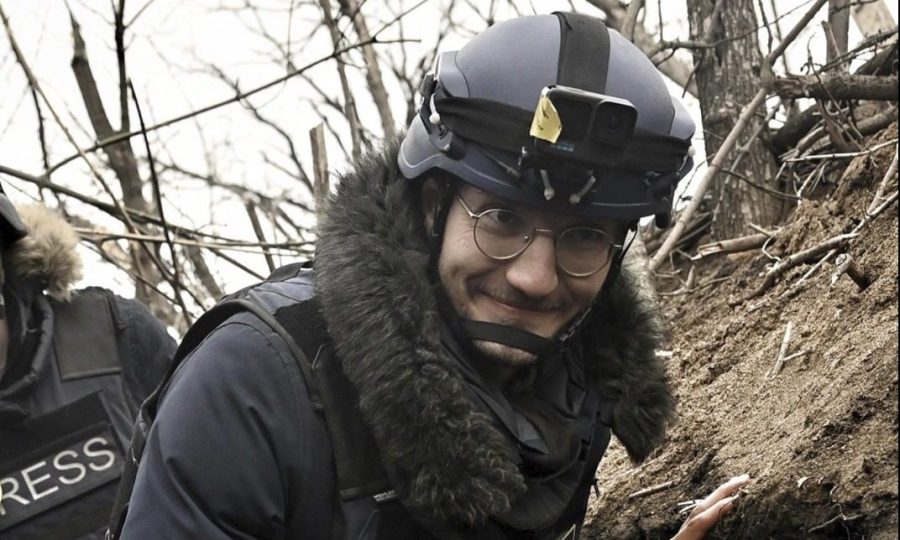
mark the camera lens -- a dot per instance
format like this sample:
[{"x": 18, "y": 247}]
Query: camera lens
[{"x": 614, "y": 123}]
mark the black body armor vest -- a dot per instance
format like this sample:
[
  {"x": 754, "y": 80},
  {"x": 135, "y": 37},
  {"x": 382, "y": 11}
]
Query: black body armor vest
[{"x": 64, "y": 425}]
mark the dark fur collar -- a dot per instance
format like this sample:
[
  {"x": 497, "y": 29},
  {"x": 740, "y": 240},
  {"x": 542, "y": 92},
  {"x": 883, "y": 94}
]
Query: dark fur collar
[{"x": 448, "y": 461}]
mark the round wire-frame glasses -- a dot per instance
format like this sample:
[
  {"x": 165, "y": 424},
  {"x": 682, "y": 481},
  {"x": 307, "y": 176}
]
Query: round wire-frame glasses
[{"x": 503, "y": 234}]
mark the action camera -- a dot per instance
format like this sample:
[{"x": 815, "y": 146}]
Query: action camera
[{"x": 596, "y": 128}]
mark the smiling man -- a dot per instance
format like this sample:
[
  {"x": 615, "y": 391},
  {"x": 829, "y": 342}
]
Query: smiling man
[
  {"x": 521, "y": 268},
  {"x": 468, "y": 341}
]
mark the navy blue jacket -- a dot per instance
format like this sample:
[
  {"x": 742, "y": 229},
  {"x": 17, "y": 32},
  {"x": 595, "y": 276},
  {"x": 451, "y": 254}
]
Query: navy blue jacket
[{"x": 238, "y": 449}]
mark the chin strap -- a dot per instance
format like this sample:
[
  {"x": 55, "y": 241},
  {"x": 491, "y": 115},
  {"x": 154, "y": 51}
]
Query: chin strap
[{"x": 506, "y": 335}]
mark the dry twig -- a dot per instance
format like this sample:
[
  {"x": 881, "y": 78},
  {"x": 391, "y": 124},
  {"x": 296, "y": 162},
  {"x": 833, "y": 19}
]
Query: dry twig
[
  {"x": 351, "y": 9},
  {"x": 782, "y": 352},
  {"x": 843, "y": 154},
  {"x": 651, "y": 490},
  {"x": 882, "y": 186},
  {"x": 799, "y": 258},
  {"x": 176, "y": 282},
  {"x": 844, "y": 264},
  {"x": 841, "y": 518},
  {"x": 350, "y": 111},
  {"x": 733, "y": 245},
  {"x": 797, "y": 354},
  {"x": 258, "y": 231},
  {"x": 320, "y": 169},
  {"x": 866, "y": 219}
]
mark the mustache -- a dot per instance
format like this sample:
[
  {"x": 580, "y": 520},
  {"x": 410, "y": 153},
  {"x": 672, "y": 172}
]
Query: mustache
[{"x": 516, "y": 298}]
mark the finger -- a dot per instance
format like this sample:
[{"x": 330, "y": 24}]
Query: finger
[
  {"x": 727, "y": 489},
  {"x": 697, "y": 526}
]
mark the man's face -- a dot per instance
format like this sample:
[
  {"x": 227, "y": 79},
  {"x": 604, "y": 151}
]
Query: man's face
[{"x": 528, "y": 292}]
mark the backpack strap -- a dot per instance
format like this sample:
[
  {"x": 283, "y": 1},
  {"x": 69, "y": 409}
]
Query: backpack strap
[
  {"x": 363, "y": 485},
  {"x": 360, "y": 474},
  {"x": 192, "y": 339}
]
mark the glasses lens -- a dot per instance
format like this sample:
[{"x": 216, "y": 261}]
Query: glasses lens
[
  {"x": 581, "y": 251},
  {"x": 502, "y": 234}
]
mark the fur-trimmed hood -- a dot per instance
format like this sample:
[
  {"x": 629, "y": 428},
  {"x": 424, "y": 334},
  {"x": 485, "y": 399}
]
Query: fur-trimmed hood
[
  {"x": 48, "y": 253},
  {"x": 448, "y": 460}
]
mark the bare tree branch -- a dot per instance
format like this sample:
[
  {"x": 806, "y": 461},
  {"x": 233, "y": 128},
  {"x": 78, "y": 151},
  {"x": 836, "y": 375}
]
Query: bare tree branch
[
  {"x": 257, "y": 229},
  {"x": 300, "y": 173},
  {"x": 351, "y": 9},
  {"x": 349, "y": 101},
  {"x": 123, "y": 136},
  {"x": 133, "y": 215},
  {"x": 176, "y": 282},
  {"x": 631, "y": 17},
  {"x": 195, "y": 256},
  {"x": 81, "y": 153},
  {"x": 125, "y": 123},
  {"x": 838, "y": 86}
]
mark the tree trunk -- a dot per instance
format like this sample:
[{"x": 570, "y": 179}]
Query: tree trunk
[
  {"x": 123, "y": 162},
  {"x": 728, "y": 76}
]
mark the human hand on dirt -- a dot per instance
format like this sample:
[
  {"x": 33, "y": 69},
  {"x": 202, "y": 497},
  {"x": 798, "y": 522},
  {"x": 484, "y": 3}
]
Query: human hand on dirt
[{"x": 710, "y": 510}]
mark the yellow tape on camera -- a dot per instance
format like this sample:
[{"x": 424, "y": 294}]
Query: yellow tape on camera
[{"x": 545, "y": 124}]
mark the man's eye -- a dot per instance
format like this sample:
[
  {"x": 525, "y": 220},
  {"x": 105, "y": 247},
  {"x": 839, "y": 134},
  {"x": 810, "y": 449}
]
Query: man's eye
[
  {"x": 499, "y": 219},
  {"x": 505, "y": 217},
  {"x": 586, "y": 236}
]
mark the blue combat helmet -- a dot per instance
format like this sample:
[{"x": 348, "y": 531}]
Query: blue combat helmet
[{"x": 553, "y": 110}]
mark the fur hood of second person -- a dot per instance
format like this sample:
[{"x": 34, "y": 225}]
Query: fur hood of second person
[{"x": 48, "y": 254}]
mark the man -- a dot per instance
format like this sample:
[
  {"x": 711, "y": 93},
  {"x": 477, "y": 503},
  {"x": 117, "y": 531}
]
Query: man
[
  {"x": 468, "y": 338},
  {"x": 74, "y": 368}
]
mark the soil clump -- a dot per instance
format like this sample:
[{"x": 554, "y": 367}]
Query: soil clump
[{"x": 819, "y": 438}]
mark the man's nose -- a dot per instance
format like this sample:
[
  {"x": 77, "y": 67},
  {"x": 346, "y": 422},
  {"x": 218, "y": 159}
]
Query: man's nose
[{"x": 534, "y": 271}]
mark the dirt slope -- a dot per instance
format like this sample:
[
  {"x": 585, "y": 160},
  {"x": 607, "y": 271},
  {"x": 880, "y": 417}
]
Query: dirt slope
[{"x": 820, "y": 437}]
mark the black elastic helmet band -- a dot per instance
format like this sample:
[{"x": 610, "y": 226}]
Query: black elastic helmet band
[
  {"x": 583, "y": 52},
  {"x": 505, "y": 127},
  {"x": 506, "y": 335}
]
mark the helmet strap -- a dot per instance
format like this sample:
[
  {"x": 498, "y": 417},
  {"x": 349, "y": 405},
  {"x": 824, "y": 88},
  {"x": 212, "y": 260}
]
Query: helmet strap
[
  {"x": 2, "y": 283},
  {"x": 435, "y": 233},
  {"x": 506, "y": 335}
]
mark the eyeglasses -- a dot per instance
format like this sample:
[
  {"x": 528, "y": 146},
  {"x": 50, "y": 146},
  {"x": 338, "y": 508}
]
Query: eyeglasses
[{"x": 504, "y": 234}]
